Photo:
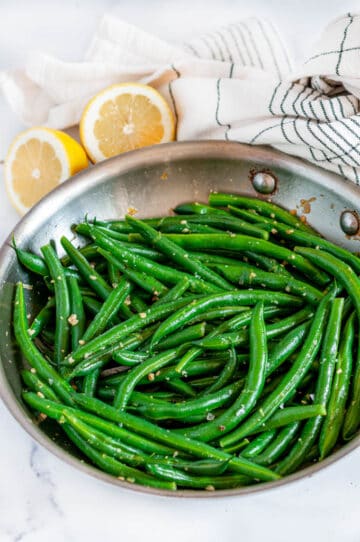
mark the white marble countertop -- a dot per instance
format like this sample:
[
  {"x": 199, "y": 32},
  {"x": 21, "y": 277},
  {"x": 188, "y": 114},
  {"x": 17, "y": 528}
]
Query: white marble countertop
[{"x": 43, "y": 499}]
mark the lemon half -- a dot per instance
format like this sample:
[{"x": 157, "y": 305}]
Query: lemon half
[
  {"x": 125, "y": 117},
  {"x": 39, "y": 159}
]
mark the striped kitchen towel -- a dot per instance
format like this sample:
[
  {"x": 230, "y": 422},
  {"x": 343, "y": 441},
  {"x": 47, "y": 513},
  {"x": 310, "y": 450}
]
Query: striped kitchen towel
[{"x": 237, "y": 83}]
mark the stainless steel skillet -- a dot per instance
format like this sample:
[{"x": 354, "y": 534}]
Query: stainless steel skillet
[{"x": 153, "y": 180}]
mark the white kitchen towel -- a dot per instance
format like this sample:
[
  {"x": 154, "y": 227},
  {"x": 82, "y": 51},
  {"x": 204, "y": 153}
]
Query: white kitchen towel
[{"x": 237, "y": 83}]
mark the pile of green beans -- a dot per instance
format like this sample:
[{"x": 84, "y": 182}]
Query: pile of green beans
[{"x": 213, "y": 349}]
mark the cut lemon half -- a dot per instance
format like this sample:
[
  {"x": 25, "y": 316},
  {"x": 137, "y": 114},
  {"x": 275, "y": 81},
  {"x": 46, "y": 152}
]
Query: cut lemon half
[
  {"x": 125, "y": 117},
  {"x": 39, "y": 159}
]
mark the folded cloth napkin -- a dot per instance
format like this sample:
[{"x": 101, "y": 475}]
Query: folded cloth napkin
[{"x": 236, "y": 83}]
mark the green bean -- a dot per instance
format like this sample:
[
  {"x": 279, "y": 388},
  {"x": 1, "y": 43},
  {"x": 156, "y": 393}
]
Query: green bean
[
  {"x": 241, "y": 243},
  {"x": 253, "y": 387},
  {"x": 108, "y": 310},
  {"x": 101, "y": 267},
  {"x": 142, "y": 250},
  {"x": 90, "y": 382},
  {"x": 279, "y": 445},
  {"x": 211, "y": 221},
  {"x": 193, "y": 407},
  {"x": 238, "y": 321},
  {"x": 130, "y": 455},
  {"x": 261, "y": 206},
  {"x": 137, "y": 303},
  {"x": 223, "y": 341},
  {"x": 113, "y": 466},
  {"x": 77, "y": 319},
  {"x": 181, "y": 387},
  {"x": 98, "y": 359},
  {"x": 214, "y": 258},
  {"x": 129, "y": 358},
  {"x": 33, "y": 382},
  {"x": 148, "y": 283},
  {"x": 122, "y": 330},
  {"x": 269, "y": 222},
  {"x": 115, "y": 225},
  {"x": 42, "y": 318},
  {"x": 155, "y": 269},
  {"x": 56, "y": 411},
  {"x": 94, "y": 306},
  {"x": 188, "y": 357},
  {"x": 249, "y": 276},
  {"x": 135, "y": 248},
  {"x": 315, "y": 241},
  {"x": 237, "y": 447},
  {"x": 105, "y": 443},
  {"x": 47, "y": 335},
  {"x": 32, "y": 354},
  {"x": 184, "y": 227},
  {"x": 114, "y": 274},
  {"x": 138, "y": 372},
  {"x": 89, "y": 274},
  {"x": 177, "y": 441},
  {"x": 177, "y": 254},
  {"x": 198, "y": 209},
  {"x": 85, "y": 229},
  {"x": 340, "y": 270},
  {"x": 246, "y": 297},
  {"x": 226, "y": 374},
  {"x": 219, "y": 314},
  {"x": 328, "y": 357},
  {"x": 287, "y": 415},
  {"x": 282, "y": 350},
  {"x": 62, "y": 303},
  {"x": 186, "y": 335},
  {"x": 160, "y": 398},
  {"x": 336, "y": 408},
  {"x": 210, "y": 483},
  {"x": 266, "y": 263},
  {"x": 32, "y": 262},
  {"x": 241, "y": 316},
  {"x": 204, "y": 467},
  {"x": 88, "y": 251},
  {"x": 197, "y": 368},
  {"x": 352, "y": 417},
  {"x": 291, "y": 379},
  {"x": 176, "y": 292},
  {"x": 259, "y": 443}
]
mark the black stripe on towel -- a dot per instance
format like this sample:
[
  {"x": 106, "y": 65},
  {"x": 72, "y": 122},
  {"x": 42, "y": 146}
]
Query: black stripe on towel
[
  {"x": 218, "y": 97},
  {"x": 337, "y": 68},
  {"x": 226, "y": 46},
  {"x": 215, "y": 41},
  {"x": 245, "y": 44},
  {"x": 192, "y": 49},
  {"x": 327, "y": 138},
  {"x": 307, "y": 144},
  {"x": 286, "y": 94},
  {"x": 253, "y": 44},
  {"x": 270, "y": 48},
  {"x": 272, "y": 127},
  {"x": 304, "y": 89},
  {"x": 238, "y": 50},
  {"x": 273, "y": 98},
  {"x": 334, "y": 52},
  {"x": 209, "y": 47}
]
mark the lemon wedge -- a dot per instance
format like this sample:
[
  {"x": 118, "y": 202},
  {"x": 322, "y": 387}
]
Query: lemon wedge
[
  {"x": 39, "y": 159},
  {"x": 125, "y": 117}
]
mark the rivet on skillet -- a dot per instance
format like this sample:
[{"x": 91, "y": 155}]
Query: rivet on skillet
[
  {"x": 349, "y": 222},
  {"x": 263, "y": 182}
]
